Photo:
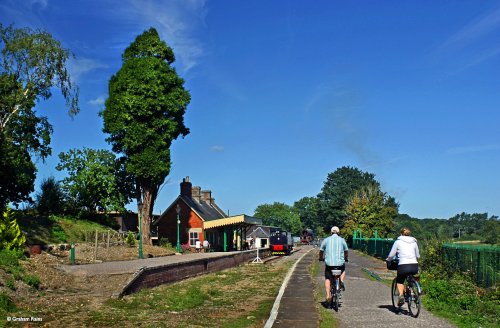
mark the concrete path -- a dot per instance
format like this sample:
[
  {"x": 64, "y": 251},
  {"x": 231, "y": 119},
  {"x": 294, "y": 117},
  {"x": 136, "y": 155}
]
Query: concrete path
[
  {"x": 296, "y": 306},
  {"x": 367, "y": 302}
]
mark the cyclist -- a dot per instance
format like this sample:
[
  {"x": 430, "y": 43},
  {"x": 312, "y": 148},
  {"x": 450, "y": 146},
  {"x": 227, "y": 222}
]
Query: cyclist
[
  {"x": 406, "y": 249},
  {"x": 333, "y": 251}
]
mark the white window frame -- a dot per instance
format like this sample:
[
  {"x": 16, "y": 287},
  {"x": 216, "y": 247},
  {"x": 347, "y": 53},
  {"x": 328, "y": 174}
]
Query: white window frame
[{"x": 192, "y": 238}]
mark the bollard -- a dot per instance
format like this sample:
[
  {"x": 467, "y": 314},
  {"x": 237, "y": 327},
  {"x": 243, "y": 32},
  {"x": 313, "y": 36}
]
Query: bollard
[{"x": 72, "y": 253}]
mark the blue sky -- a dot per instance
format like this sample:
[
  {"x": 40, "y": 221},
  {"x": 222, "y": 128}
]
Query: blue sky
[{"x": 285, "y": 92}]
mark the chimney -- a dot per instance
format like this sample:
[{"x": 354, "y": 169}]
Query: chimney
[
  {"x": 186, "y": 187},
  {"x": 206, "y": 196},
  {"x": 196, "y": 193}
]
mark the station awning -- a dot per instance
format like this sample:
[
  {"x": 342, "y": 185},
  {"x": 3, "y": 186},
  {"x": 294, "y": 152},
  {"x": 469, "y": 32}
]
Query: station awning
[{"x": 232, "y": 220}]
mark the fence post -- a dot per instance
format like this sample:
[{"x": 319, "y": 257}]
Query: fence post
[
  {"x": 107, "y": 244},
  {"x": 95, "y": 248},
  {"x": 72, "y": 253},
  {"x": 478, "y": 268}
]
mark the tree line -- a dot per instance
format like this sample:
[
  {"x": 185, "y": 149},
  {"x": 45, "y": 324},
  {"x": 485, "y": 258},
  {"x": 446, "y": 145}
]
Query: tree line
[{"x": 352, "y": 199}]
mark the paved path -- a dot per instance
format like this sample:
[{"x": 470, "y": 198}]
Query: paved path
[
  {"x": 367, "y": 303},
  {"x": 131, "y": 266},
  {"x": 296, "y": 306}
]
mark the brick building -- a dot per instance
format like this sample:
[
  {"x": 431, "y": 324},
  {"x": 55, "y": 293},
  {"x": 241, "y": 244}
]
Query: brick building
[{"x": 200, "y": 218}]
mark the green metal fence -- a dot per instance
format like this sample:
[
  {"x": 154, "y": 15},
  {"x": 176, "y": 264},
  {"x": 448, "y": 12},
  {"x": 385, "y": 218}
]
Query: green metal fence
[
  {"x": 483, "y": 262},
  {"x": 377, "y": 247}
]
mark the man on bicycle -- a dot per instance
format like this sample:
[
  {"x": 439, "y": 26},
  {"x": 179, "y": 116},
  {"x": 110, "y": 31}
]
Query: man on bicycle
[
  {"x": 333, "y": 251},
  {"x": 406, "y": 249}
]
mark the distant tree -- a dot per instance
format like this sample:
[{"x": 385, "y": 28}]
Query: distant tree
[
  {"x": 280, "y": 215},
  {"x": 491, "y": 231},
  {"x": 93, "y": 182},
  {"x": 337, "y": 190},
  {"x": 465, "y": 224},
  {"x": 370, "y": 210},
  {"x": 144, "y": 113},
  {"x": 50, "y": 199},
  {"x": 32, "y": 63},
  {"x": 307, "y": 208}
]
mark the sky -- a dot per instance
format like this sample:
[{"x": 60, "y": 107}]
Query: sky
[{"x": 286, "y": 92}]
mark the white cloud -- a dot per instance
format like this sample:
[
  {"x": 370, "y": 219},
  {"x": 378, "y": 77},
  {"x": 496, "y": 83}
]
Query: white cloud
[
  {"x": 217, "y": 148},
  {"x": 472, "y": 149},
  {"x": 98, "y": 101},
  {"x": 41, "y": 3},
  {"x": 80, "y": 66},
  {"x": 176, "y": 20},
  {"x": 473, "y": 31}
]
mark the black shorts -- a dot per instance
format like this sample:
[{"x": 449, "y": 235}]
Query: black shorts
[
  {"x": 405, "y": 270},
  {"x": 328, "y": 270}
]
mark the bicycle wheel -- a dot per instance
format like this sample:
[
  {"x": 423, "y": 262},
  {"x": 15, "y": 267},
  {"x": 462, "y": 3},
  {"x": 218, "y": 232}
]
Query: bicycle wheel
[
  {"x": 394, "y": 293},
  {"x": 335, "y": 302},
  {"x": 333, "y": 294},
  {"x": 414, "y": 300}
]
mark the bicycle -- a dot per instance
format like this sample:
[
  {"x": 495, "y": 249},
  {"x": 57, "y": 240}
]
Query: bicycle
[
  {"x": 412, "y": 293},
  {"x": 335, "y": 290}
]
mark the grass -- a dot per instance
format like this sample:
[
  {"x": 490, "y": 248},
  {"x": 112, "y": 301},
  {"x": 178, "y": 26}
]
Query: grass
[
  {"x": 326, "y": 319},
  {"x": 55, "y": 229},
  {"x": 240, "y": 297},
  {"x": 458, "y": 300}
]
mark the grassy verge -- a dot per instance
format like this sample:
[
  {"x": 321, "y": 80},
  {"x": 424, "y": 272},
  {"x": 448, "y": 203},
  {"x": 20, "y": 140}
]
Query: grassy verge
[
  {"x": 325, "y": 315},
  {"x": 237, "y": 297},
  {"x": 458, "y": 300}
]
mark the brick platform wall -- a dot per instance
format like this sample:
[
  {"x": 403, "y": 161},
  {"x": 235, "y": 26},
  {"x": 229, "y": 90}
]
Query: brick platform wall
[{"x": 148, "y": 277}]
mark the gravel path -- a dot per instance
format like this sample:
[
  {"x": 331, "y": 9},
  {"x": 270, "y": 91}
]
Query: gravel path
[{"x": 367, "y": 303}]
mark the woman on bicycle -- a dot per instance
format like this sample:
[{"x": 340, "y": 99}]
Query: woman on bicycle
[{"x": 406, "y": 249}]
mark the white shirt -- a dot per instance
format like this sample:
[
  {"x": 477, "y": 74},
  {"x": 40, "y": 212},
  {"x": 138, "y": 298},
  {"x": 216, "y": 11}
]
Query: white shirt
[
  {"x": 198, "y": 244},
  {"x": 407, "y": 250}
]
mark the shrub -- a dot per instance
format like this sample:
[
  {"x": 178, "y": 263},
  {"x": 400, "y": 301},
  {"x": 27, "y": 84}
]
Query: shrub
[
  {"x": 11, "y": 236},
  {"x": 130, "y": 240}
]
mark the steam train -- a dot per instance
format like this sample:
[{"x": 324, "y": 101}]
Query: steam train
[
  {"x": 307, "y": 236},
  {"x": 280, "y": 241}
]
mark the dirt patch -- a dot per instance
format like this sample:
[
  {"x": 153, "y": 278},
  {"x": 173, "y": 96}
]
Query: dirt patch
[{"x": 57, "y": 286}]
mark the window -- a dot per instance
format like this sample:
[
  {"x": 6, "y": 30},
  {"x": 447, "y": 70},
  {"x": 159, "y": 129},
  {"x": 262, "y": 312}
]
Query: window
[{"x": 193, "y": 237}]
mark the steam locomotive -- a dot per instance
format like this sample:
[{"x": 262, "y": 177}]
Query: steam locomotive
[
  {"x": 281, "y": 242},
  {"x": 306, "y": 237}
]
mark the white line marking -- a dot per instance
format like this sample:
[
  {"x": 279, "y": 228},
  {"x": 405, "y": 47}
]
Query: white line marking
[{"x": 274, "y": 311}]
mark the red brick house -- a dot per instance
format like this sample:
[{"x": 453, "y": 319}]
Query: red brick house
[{"x": 200, "y": 218}]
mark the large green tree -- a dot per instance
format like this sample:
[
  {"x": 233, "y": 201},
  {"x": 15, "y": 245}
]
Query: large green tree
[
  {"x": 143, "y": 114},
  {"x": 370, "y": 210},
  {"x": 94, "y": 181},
  {"x": 32, "y": 64},
  {"x": 307, "y": 208},
  {"x": 280, "y": 215},
  {"x": 337, "y": 190}
]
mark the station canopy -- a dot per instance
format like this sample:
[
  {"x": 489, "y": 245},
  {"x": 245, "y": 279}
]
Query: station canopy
[{"x": 238, "y": 220}]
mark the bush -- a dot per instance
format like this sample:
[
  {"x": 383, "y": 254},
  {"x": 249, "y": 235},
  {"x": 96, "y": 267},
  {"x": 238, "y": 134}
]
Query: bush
[
  {"x": 130, "y": 240},
  {"x": 11, "y": 236}
]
